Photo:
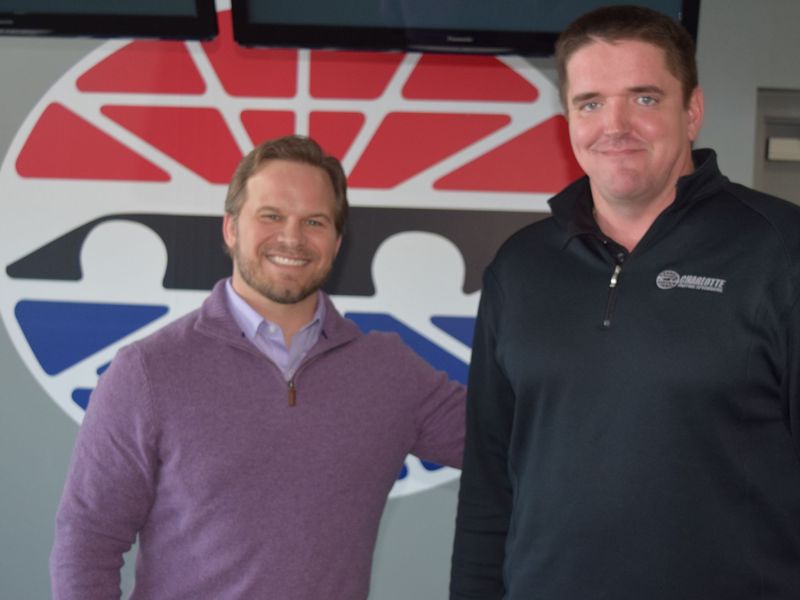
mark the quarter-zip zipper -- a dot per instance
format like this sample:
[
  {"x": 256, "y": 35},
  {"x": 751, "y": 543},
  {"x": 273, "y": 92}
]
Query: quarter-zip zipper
[
  {"x": 612, "y": 295},
  {"x": 290, "y": 384}
]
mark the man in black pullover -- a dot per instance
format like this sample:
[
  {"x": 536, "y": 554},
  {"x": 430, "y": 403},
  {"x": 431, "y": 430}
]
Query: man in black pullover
[{"x": 633, "y": 422}]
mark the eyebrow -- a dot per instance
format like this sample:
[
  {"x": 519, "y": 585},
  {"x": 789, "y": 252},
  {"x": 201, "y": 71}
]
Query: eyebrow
[
  {"x": 584, "y": 97},
  {"x": 638, "y": 89},
  {"x": 275, "y": 209},
  {"x": 647, "y": 89}
]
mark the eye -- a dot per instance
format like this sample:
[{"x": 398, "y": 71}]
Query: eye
[
  {"x": 647, "y": 100},
  {"x": 589, "y": 106},
  {"x": 270, "y": 217},
  {"x": 318, "y": 221}
]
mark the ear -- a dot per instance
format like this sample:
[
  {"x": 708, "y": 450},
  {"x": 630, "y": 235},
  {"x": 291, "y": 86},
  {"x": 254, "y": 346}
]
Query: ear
[
  {"x": 695, "y": 111},
  {"x": 229, "y": 230},
  {"x": 338, "y": 245}
]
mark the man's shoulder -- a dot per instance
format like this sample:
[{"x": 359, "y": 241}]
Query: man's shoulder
[
  {"x": 386, "y": 349},
  {"x": 148, "y": 359},
  {"x": 762, "y": 201},
  {"x": 542, "y": 232},
  {"x": 384, "y": 343},
  {"x": 551, "y": 231},
  {"x": 780, "y": 216},
  {"x": 530, "y": 244},
  {"x": 166, "y": 344}
]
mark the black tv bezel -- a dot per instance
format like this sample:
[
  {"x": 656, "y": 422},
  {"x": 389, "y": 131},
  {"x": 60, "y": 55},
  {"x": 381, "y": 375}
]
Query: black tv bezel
[
  {"x": 528, "y": 43},
  {"x": 202, "y": 26}
]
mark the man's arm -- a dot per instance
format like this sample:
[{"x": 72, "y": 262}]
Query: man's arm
[
  {"x": 485, "y": 495},
  {"x": 109, "y": 487},
  {"x": 438, "y": 411},
  {"x": 792, "y": 377}
]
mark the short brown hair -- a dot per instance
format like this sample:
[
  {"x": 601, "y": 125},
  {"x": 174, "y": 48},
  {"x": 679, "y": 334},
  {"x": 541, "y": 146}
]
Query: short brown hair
[
  {"x": 617, "y": 23},
  {"x": 295, "y": 148}
]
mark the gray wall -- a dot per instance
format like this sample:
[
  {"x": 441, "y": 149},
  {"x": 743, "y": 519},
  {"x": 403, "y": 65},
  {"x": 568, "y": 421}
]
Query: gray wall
[
  {"x": 35, "y": 436},
  {"x": 743, "y": 45}
]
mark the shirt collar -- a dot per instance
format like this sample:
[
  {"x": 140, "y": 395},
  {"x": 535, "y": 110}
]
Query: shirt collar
[
  {"x": 249, "y": 320},
  {"x": 573, "y": 207}
]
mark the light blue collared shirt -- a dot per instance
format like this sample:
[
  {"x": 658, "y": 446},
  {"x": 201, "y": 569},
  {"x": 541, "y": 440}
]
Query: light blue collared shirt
[{"x": 268, "y": 336}]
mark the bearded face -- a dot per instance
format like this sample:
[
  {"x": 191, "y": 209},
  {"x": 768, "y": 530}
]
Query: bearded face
[{"x": 284, "y": 239}]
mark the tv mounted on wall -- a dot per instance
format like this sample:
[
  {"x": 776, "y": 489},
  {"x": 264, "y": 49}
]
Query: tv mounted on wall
[
  {"x": 182, "y": 19},
  {"x": 527, "y": 27}
]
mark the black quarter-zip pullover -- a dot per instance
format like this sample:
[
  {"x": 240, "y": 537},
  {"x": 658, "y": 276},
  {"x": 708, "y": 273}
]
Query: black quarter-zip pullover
[{"x": 633, "y": 420}]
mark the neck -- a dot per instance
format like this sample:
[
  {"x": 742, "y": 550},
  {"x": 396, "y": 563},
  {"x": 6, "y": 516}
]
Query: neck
[
  {"x": 627, "y": 219},
  {"x": 627, "y": 224},
  {"x": 291, "y": 318}
]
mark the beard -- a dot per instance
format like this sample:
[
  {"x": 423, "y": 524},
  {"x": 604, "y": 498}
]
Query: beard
[{"x": 286, "y": 293}]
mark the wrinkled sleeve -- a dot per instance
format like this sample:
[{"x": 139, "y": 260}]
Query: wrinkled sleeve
[
  {"x": 109, "y": 487},
  {"x": 439, "y": 417},
  {"x": 485, "y": 495},
  {"x": 792, "y": 378}
]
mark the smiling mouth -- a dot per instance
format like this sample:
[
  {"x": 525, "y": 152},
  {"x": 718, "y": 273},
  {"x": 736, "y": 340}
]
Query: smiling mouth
[
  {"x": 618, "y": 149},
  {"x": 287, "y": 261},
  {"x": 621, "y": 150}
]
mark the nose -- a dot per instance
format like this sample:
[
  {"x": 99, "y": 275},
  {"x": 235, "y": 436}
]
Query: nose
[
  {"x": 291, "y": 232},
  {"x": 617, "y": 119}
]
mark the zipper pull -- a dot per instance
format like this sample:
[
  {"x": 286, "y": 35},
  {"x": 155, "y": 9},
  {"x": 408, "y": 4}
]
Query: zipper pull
[
  {"x": 292, "y": 393},
  {"x": 615, "y": 276},
  {"x": 612, "y": 295}
]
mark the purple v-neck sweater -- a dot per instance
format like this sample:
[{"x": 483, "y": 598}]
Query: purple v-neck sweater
[{"x": 191, "y": 442}]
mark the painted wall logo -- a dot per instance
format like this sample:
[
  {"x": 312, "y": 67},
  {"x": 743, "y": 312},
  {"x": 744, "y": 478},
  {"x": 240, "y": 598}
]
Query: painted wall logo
[
  {"x": 668, "y": 280},
  {"x": 113, "y": 190}
]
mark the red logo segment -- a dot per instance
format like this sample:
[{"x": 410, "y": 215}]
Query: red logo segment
[
  {"x": 267, "y": 124},
  {"x": 65, "y": 146},
  {"x": 196, "y": 137},
  {"x": 445, "y": 77},
  {"x": 539, "y": 160},
  {"x": 251, "y": 72},
  {"x": 357, "y": 75},
  {"x": 145, "y": 67},
  {"x": 407, "y": 143},
  {"x": 335, "y": 131}
]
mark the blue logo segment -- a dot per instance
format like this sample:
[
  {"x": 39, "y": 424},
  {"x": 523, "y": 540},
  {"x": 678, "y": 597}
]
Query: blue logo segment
[
  {"x": 461, "y": 328},
  {"x": 62, "y": 334},
  {"x": 436, "y": 356},
  {"x": 80, "y": 396}
]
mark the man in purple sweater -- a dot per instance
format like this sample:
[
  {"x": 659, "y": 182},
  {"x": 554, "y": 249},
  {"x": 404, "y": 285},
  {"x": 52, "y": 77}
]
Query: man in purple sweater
[{"x": 252, "y": 443}]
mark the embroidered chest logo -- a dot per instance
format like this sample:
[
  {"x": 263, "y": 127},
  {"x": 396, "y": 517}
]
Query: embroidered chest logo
[{"x": 668, "y": 280}]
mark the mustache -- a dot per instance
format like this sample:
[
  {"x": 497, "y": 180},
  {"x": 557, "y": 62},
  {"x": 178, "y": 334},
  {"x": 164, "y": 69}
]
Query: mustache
[
  {"x": 299, "y": 251},
  {"x": 618, "y": 144}
]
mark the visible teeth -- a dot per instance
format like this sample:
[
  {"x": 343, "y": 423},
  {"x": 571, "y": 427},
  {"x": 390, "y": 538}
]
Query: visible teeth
[{"x": 286, "y": 261}]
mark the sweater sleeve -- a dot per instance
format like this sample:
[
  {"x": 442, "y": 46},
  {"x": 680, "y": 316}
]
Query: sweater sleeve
[
  {"x": 109, "y": 487},
  {"x": 439, "y": 417},
  {"x": 485, "y": 494}
]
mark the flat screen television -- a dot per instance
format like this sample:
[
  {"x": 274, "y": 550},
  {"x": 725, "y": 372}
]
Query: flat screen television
[
  {"x": 527, "y": 27},
  {"x": 179, "y": 19}
]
